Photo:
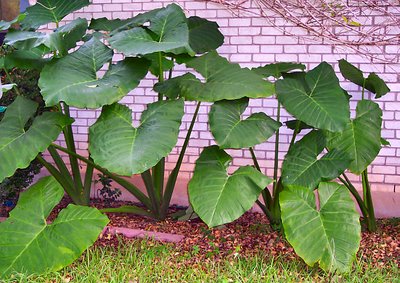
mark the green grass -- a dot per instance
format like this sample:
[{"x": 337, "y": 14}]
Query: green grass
[{"x": 143, "y": 261}]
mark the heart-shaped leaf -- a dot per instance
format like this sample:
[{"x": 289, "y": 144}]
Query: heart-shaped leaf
[
  {"x": 223, "y": 80},
  {"x": 29, "y": 245},
  {"x": 217, "y": 197},
  {"x": 302, "y": 167},
  {"x": 277, "y": 69},
  {"x": 329, "y": 235},
  {"x": 168, "y": 32},
  {"x": 18, "y": 145},
  {"x": 361, "y": 139},
  {"x": 50, "y": 11},
  {"x": 373, "y": 83},
  {"x": 317, "y": 100},
  {"x": 62, "y": 39},
  {"x": 122, "y": 149},
  {"x": 204, "y": 35},
  {"x": 73, "y": 78},
  {"x": 230, "y": 131}
]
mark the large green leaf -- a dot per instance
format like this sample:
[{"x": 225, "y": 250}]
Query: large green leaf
[
  {"x": 62, "y": 39},
  {"x": 361, "y": 139},
  {"x": 217, "y": 197},
  {"x": 29, "y": 245},
  {"x": 230, "y": 131},
  {"x": 223, "y": 80},
  {"x": 50, "y": 11},
  {"x": 125, "y": 150},
  {"x": 204, "y": 35},
  {"x": 18, "y": 145},
  {"x": 302, "y": 167},
  {"x": 277, "y": 69},
  {"x": 373, "y": 82},
  {"x": 26, "y": 59},
  {"x": 73, "y": 78},
  {"x": 329, "y": 235},
  {"x": 317, "y": 100},
  {"x": 168, "y": 31}
]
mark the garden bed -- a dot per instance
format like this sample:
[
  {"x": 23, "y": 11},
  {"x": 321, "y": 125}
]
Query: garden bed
[{"x": 247, "y": 236}]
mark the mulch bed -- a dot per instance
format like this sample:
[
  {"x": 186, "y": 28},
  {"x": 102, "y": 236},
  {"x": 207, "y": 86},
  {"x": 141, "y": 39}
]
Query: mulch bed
[{"x": 249, "y": 235}]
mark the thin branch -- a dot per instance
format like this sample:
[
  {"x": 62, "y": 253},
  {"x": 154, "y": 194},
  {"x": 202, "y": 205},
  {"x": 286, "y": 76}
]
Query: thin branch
[{"x": 343, "y": 23}]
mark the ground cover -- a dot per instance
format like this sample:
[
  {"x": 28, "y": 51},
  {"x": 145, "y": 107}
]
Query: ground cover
[{"x": 247, "y": 250}]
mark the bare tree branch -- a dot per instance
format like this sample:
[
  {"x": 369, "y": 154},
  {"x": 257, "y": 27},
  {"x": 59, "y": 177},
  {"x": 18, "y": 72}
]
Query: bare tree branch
[{"x": 355, "y": 24}]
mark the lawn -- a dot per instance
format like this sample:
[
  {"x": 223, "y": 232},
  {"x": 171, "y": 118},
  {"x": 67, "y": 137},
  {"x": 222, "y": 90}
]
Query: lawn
[{"x": 148, "y": 261}]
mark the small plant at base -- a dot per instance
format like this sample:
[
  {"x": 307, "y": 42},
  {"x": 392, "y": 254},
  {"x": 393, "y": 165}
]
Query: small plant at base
[{"x": 107, "y": 192}]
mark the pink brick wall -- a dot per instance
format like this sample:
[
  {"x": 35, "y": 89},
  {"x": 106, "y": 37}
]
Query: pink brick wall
[{"x": 251, "y": 41}]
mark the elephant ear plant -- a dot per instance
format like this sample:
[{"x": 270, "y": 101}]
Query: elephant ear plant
[
  {"x": 334, "y": 143},
  {"x": 153, "y": 42}
]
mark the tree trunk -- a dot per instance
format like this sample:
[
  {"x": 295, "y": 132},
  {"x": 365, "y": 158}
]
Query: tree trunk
[{"x": 9, "y": 9}]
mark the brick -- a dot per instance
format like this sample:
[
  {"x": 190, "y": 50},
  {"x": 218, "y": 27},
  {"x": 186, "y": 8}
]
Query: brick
[{"x": 112, "y": 7}]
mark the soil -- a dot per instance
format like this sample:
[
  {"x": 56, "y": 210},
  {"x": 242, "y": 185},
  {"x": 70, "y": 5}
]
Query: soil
[{"x": 249, "y": 235}]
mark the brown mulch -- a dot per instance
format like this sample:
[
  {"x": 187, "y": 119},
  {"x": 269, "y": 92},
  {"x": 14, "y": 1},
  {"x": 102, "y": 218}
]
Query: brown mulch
[{"x": 249, "y": 235}]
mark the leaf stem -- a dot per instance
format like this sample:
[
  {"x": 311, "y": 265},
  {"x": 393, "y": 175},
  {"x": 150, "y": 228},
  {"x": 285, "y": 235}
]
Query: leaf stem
[
  {"x": 295, "y": 133},
  {"x": 155, "y": 200},
  {"x": 368, "y": 202},
  {"x": 355, "y": 194},
  {"x": 69, "y": 139},
  {"x": 265, "y": 193},
  {"x": 124, "y": 183},
  {"x": 265, "y": 210},
  {"x": 88, "y": 182},
  {"x": 76, "y": 198},
  {"x": 278, "y": 118},
  {"x": 175, "y": 172}
]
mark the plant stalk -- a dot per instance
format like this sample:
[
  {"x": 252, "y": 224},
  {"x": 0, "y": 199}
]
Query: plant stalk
[
  {"x": 155, "y": 201},
  {"x": 276, "y": 156},
  {"x": 356, "y": 195},
  {"x": 371, "y": 221},
  {"x": 76, "y": 198},
  {"x": 169, "y": 189},
  {"x": 69, "y": 139},
  {"x": 88, "y": 182},
  {"x": 295, "y": 133},
  {"x": 265, "y": 193},
  {"x": 124, "y": 183}
]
